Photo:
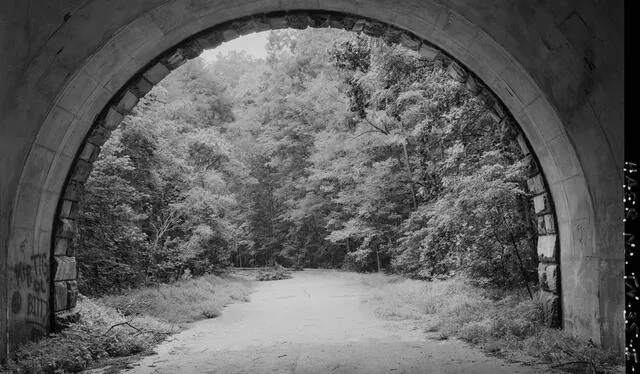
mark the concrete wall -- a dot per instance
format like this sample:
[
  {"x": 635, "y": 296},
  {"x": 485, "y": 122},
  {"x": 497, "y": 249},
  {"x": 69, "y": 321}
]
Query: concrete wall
[{"x": 558, "y": 68}]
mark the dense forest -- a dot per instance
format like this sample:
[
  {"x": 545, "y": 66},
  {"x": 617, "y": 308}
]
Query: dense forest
[{"x": 337, "y": 150}]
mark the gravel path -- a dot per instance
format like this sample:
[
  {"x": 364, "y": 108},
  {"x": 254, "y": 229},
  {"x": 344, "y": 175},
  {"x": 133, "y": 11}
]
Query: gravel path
[{"x": 317, "y": 322}]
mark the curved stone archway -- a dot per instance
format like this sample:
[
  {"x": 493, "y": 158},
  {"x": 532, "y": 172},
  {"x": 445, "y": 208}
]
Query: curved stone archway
[{"x": 547, "y": 64}]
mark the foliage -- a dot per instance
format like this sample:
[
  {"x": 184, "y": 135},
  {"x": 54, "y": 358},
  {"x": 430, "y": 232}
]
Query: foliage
[
  {"x": 273, "y": 274},
  {"x": 98, "y": 335},
  {"x": 128, "y": 324},
  {"x": 336, "y": 151},
  {"x": 511, "y": 320}
]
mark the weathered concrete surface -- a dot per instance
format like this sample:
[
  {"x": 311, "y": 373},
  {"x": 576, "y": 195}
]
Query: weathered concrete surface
[
  {"x": 557, "y": 66},
  {"x": 317, "y": 322}
]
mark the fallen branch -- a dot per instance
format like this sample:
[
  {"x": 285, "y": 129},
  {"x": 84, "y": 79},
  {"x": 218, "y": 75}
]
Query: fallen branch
[
  {"x": 121, "y": 324},
  {"x": 577, "y": 362}
]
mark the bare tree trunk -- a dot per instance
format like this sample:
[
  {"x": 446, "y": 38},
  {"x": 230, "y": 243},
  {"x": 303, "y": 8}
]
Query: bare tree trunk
[
  {"x": 525, "y": 277},
  {"x": 378, "y": 259}
]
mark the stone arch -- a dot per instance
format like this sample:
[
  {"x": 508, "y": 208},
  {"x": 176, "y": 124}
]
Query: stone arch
[{"x": 103, "y": 86}]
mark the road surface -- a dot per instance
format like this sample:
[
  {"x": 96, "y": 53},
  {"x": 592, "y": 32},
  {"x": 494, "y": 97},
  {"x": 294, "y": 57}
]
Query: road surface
[{"x": 317, "y": 322}]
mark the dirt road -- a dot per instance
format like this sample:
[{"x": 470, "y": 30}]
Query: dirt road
[{"x": 317, "y": 322}]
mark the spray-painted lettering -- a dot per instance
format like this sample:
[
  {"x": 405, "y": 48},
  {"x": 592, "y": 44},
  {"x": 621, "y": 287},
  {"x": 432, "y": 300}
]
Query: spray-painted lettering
[
  {"x": 40, "y": 265},
  {"x": 24, "y": 274},
  {"x": 37, "y": 307}
]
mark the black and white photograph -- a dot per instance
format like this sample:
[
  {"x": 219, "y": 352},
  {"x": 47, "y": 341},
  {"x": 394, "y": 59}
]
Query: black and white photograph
[{"x": 316, "y": 186}]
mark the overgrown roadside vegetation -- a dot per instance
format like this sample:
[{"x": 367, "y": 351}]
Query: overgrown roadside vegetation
[
  {"x": 129, "y": 324},
  {"x": 503, "y": 323}
]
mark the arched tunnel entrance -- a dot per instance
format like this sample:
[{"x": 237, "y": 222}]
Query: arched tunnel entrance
[{"x": 556, "y": 82}]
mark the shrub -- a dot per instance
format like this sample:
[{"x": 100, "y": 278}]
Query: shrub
[
  {"x": 183, "y": 301},
  {"x": 478, "y": 316},
  {"x": 273, "y": 274}
]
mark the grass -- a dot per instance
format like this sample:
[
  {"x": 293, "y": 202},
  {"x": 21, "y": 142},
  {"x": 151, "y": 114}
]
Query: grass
[
  {"x": 126, "y": 325},
  {"x": 454, "y": 308},
  {"x": 183, "y": 301},
  {"x": 273, "y": 274}
]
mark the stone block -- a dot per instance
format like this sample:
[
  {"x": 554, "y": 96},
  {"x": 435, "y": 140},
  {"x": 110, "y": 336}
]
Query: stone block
[
  {"x": 523, "y": 144},
  {"x": 392, "y": 35},
  {"x": 318, "y": 20},
  {"x": 68, "y": 209},
  {"x": 298, "y": 20},
  {"x": 541, "y": 203},
  {"x": 244, "y": 26},
  {"x": 156, "y": 73},
  {"x": 341, "y": 21},
  {"x": 260, "y": 23},
  {"x": 62, "y": 246},
  {"x": 358, "y": 25},
  {"x": 542, "y": 230},
  {"x": 89, "y": 153},
  {"x": 66, "y": 228},
  {"x": 65, "y": 268},
  {"x": 550, "y": 223},
  {"x": 230, "y": 34},
  {"x": 535, "y": 185},
  {"x": 112, "y": 119},
  {"x": 74, "y": 191},
  {"x": 551, "y": 309},
  {"x": 99, "y": 136},
  {"x": 278, "y": 22},
  {"x": 191, "y": 49},
  {"x": 60, "y": 297},
  {"x": 81, "y": 171},
  {"x": 409, "y": 41},
  {"x": 428, "y": 51},
  {"x": 374, "y": 28},
  {"x": 127, "y": 102},
  {"x": 212, "y": 39},
  {"x": 457, "y": 72},
  {"x": 547, "y": 248},
  {"x": 174, "y": 59},
  {"x": 471, "y": 84}
]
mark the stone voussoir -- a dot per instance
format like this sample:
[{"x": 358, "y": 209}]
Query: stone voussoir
[
  {"x": 173, "y": 59},
  {"x": 127, "y": 102},
  {"x": 81, "y": 171},
  {"x": 66, "y": 228},
  {"x": 298, "y": 20},
  {"x": 74, "y": 191},
  {"x": 319, "y": 19},
  {"x": 457, "y": 72},
  {"x": 62, "y": 246},
  {"x": 68, "y": 209},
  {"x": 111, "y": 119},
  {"x": 472, "y": 85},
  {"x": 65, "y": 268},
  {"x": 60, "y": 297},
  {"x": 547, "y": 245},
  {"x": 541, "y": 203},
  {"x": 409, "y": 41},
  {"x": 156, "y": 73}
]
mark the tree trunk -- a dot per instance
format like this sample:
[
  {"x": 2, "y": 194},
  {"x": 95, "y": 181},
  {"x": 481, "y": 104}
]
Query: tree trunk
[
  {"x": 525, "y": 277},
  {"x": 378, "y": 259}
]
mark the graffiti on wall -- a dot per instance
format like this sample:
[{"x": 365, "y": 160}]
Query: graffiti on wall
[{"x": 31, "y": 298}]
